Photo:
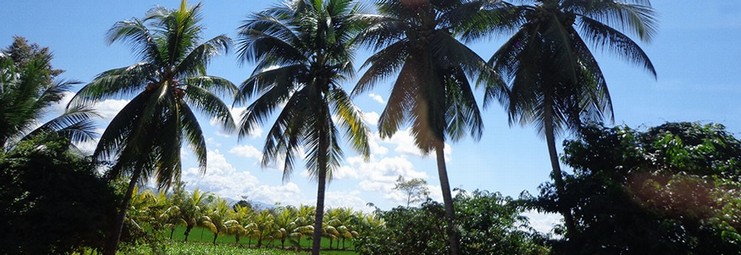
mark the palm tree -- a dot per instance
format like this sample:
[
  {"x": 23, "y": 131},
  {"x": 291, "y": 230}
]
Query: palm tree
[
  {"x": 417, "y": 40},
  {"x": 262, "y": 227},
  {"x": 303, "y": 50},
  {"x": 189, "y": 208},
  {"x": 218, "y": 213},
  {"x": 304, "y": 222},
  {"x": 145, "y": 137},
  {"x": 341, "y": 220},
  {"x": 27, "y": 91},
  {"x": 554, "y": 80},
  {"x": 285, "y": 222},
  {"x": 240, "y": 217}
]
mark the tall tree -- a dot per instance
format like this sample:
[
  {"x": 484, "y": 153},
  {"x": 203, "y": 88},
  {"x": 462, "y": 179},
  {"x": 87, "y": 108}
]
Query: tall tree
[
  {"x": 415, "y": 189},
  {"x": 145, "y": 137},
  {"x": 555, "y": 82},
  {"x": 417, "y": 40},
  {"x": 28, "y": 89},
  {"x": 303, "y": 50}
]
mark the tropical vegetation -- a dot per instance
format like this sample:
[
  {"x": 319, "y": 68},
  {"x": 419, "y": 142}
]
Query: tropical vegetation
[
  {"x": 143, "y": 140},
  {"x": 669, "y": 189},
  {"x": 303, "y": 51},
  {"x": 554, "y": 80}
]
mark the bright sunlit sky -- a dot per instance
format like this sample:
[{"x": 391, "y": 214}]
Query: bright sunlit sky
[{"x": 696, "y": 53}]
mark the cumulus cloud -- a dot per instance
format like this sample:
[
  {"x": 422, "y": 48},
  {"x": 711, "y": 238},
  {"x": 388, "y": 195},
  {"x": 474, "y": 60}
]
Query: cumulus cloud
[
  {"x": 543, "y": 222},
  {"x": 223, "y": 179},
  {"x": 109, "y": 108},
  {"x": 345, "y": 199},
  {"x": 403, "y": 143},
  {"x": 247, "y": 151},
  {"x": 237, "y": 114},
  {"x": 371, "y": 118},
  {"x": 378, "y": 98}
]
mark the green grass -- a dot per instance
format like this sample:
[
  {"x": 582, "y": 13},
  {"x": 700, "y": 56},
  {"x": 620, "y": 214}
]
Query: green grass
[
  {"x": 199, "y": 248},
  {"x": 200, "y": 242}
]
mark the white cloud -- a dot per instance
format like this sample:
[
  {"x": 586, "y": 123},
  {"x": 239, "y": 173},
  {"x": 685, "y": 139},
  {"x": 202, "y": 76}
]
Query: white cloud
[
  {"x": 223, "y": 179},
  {"x": 371, "y": 118},
  {"x": 543, "y": 222},
  {"x": 247, "y": 151},
  {"x": 351, "y": 199},
  {"x": 379, "y": 99},
  {"x": 58, "y": 108},
  {"x": 404, "y": 144},
  {"x": 237, "y": 115},
  {"x": 109, "y": 108}
]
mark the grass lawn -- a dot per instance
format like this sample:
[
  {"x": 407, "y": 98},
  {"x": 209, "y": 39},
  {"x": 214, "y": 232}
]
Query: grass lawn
[{"x": 200, "y": 242}]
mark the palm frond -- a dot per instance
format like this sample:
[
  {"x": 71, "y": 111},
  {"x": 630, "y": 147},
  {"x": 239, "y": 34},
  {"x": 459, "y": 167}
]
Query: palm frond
[
  {"x": 210, "y": 105},
  {"x": 638, "y": 18},
  {"x": 605, "y": 37},
  {"x": 195, "y": 62},
  {"x": 136, "y": 33},
  {"x": 381, "y": 65},
  {"x": 117, "y": 82},
  {"x": 351, "y": 120}
]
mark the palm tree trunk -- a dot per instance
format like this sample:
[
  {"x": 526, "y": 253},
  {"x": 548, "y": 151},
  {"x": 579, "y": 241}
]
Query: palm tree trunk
[
  {"x": 321, "y": 188},
  {"x": 453, "y": 235},
  {"x": 317, "y": 236},
  {"x": 216, "y": 235},
  {"x": 187, "y": 232},
  {"x": 556, "y": 174},
  {"x": 112, "y": 243}
]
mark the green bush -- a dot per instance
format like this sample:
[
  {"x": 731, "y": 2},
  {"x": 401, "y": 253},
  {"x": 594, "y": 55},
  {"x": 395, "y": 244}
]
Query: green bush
[
  {"x": 51, "y": 200},
  {"x": 488, "y": 222}
]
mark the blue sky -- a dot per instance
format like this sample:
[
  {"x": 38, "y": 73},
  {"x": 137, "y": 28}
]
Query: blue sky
[{"x": 696, "y": 53}]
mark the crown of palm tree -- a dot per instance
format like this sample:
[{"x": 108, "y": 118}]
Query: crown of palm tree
[{"x": 168, "y": 85}]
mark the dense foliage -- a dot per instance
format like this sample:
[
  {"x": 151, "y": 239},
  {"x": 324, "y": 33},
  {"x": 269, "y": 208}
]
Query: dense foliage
[
  {"x": 29, "y": 87},
  {"x": 673, "y": 189},
  {"x": 51, "y": 200},
  {"x": 488, "y": 222}
]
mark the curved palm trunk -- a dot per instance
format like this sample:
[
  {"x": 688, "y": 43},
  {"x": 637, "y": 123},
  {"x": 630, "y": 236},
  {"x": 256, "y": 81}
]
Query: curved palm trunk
[
  {"x": 557, "y": 177},
  {"x": 321, "y": 188},
  {"x": 112, "y": 243},
  {"x": 216, "y": 235},
  {"x": 453, "y": 235},
  {"x": 187, "y": 232}
]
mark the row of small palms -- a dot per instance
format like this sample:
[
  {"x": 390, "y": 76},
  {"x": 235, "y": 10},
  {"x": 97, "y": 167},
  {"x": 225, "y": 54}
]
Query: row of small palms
[
  {"x": 545, "y": 74},
  {"x": 161, "y": 212}
]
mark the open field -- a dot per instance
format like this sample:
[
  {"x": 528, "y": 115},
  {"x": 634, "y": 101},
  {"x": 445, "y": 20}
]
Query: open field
[
  {"x": 200, "y": 242},
  {"x": 199, "y": 248}
]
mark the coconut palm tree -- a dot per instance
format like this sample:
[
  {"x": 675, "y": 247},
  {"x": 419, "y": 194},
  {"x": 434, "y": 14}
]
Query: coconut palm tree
[
  {"x": 303, "y": 51},
  {"x": 144, "y": 139},
  {"x": 341, "y": 220},
  {"x": 555, "y": 82},
  {"x": 189, "y": 208},
  {"x": 216, "y": 216},
  {"x": 28, "y": 90},
  {"x": 262, "y": 227},
  {"x": 241, "y": 216},
  {"x": 416, "y": 41},
  {"x": 285, "y": 222}
]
